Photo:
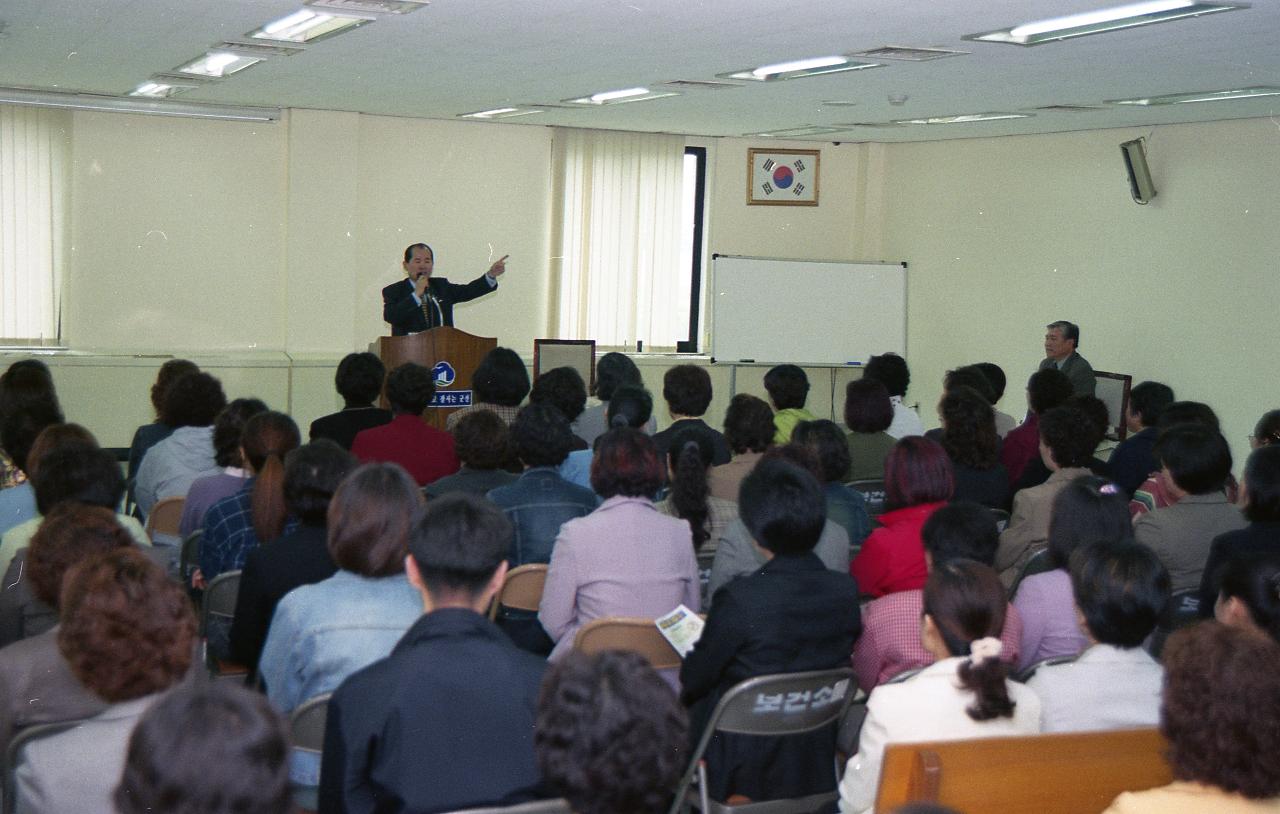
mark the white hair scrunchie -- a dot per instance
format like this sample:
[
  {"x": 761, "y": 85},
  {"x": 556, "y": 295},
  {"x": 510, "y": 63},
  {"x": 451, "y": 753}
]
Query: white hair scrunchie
[{"x": 986, "y": 648}]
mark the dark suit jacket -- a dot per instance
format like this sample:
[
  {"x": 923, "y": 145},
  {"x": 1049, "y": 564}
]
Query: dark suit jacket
[
  {"x": 790, "y": 616},
  {"x": 1134, "y": 460},
  {"x": 662, "y": 440},
  {"x": 341, "y": 427},
  {"x": 1078, "y": 370},
  {"x": 406, "y": 316},
  {"x": 1252, "y": 540}
]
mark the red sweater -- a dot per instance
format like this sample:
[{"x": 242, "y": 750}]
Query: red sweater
[
  {"x": 892, "y": 558},
  {"x": 427, "y": 453}
]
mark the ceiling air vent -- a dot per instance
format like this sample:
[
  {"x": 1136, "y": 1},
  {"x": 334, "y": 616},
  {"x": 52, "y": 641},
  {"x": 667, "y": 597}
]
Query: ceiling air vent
[{"x": 908, "y": 54}]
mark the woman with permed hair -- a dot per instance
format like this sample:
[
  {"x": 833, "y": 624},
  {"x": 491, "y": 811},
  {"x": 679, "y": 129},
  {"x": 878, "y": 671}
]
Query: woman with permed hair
[{"x": 970, "y": 439}]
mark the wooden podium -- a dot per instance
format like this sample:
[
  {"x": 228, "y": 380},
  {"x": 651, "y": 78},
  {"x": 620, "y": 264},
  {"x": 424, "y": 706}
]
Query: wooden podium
[{"x": 450, "y": 354}]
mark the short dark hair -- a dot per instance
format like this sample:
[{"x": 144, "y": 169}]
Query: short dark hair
[
  {"x": 891, "y": 370},
  {"x": 867, "y": 408},
  {"x": 482, "y": 440},
  {"x": 54, "y": 436},
  {"x": 410, "y": 388},
  {"x": 369, "y": 519},
  {"x": 228, "y": 426},
  {"x": 541, "y": 435},
  {"x": 1197, "y": 457},
  {"x": 1094, "y": 409},
  {"x": 917, "y": 471},
  {"x": 969, "y": 428},
  {"x": 169, "y": 373},
  {"x": 1254, "y": 579},
  {"x": 1262, "y": 485},
  {"x": 1187, "y": 412},
  {"x": 1220, "y": 711},
  {"x": 501, "y": 378},
  {"x": 614, "y": 370},
  {"x": 627, "y": 463},
  {"x": 1148, "y": 399},
  {"x": 783, "y": 507},
  {"x": 961, "y": 531},
  {"x": 359, "y": 378},
  {"x": 1047, "y": 389},
  {"x": 611, "y": 736},
  {"x": 408, "y": 251},
  {"x": 1070, "y": 435},
  {"x": 969, "y": 376},
  {"x": 1089, "y": 509},
  {"x": 828, "y": 443},
  {"x": 458, "y": 541},
  {"x": 193, "y": 400},
  {"x": 312, "y": 473},
  {"x": 995, "y": 376},
  {"x": 1070, "y": 331},
  {"x": 207, "y": 748},
  {"x": 748, "y": 424},
  {"x": 1267, "y": 430},
  {"x": 563, "y": 389},
  {"x": 687, "y": 390},
  {"x": 20, "y": 426},
  {"x": 797, "y": 455},
  {"x": 787, "y": 386},
  {"x": 70, "y": 533},
  {"x": 1122, "y": 590},
  {"x": 126, "y": 629},
  {"x": 629, "y": 406},
  {"x": 967, "y": 602},
  {"x": 78, "y": 472}
]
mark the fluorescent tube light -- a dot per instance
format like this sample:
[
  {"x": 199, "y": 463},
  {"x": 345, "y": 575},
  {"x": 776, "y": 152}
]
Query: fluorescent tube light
[
  {"x": 159, "y": 90},
  {"x": 1097, "y": 22},
  {"x": 307, "y": 26},
  {"x": 1199, "y": 96},
  {"x": 218, "y": 63},
  {"x": 796, "y": 132},
  {"x": 617, "y": 97},
  {"x": 814, "y": 66},
  {"x": 500, "y": 113},
  {"x": 374, "y": 6},
  {"x": 965, "y": 118},
  {"x": 613, "y": 95},
  {"x": 118, "y": 104},
  {"x": 765, "y": 71}
]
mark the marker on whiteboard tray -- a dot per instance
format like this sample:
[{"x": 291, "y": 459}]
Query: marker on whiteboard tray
[
  {"x": 746, "y": 361},
  {"x": 853, "y": 364}
]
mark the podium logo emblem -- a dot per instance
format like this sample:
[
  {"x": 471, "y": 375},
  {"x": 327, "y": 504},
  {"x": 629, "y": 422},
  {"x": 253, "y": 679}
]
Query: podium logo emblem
[{"x": 444, "y": 374}]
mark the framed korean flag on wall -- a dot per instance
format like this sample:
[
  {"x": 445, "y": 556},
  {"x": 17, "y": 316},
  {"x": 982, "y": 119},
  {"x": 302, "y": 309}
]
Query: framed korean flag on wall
[{"x": 782, "y": 177}]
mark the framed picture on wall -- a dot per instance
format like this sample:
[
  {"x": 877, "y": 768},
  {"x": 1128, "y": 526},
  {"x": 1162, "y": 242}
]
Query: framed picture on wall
[{"x": 782, "y": 177}]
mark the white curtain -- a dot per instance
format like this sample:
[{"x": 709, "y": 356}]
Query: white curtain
[
  {"x": 33, "y": 168},
  {"x": 616, "y": 265}
]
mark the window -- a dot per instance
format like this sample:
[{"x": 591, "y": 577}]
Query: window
[
  {"x": 628, "y": 235},
  {"x": 33, "y": 170}
]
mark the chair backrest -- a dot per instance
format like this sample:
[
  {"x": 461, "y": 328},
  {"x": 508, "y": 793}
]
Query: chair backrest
[
  {"x": 873, "y": 492},
  {"x": 557, "y": 806},
  {"x": 705, "y": 560},
  {"x": 522, "y": 589},
  {"x": 1113, "y": 389},
  {"x": 306, "y": 723},
  {"x": 13, "y": 755},
  {"x": 189, "y": 555},
  {"x": 165, "y": 516},
  {"x": 1002, "y": 518},
  {"x": 1024, "y": 676},
  {"x": 1040, "y": 774},
  {"x": 1183, "y": 610},
  {"x": 220, "y": 598},
  {"x": 636, "y": 634},
  {"x": 1037, "y": 563}
]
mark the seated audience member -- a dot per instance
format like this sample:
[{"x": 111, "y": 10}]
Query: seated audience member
[
  {"x": 28, "y": 404},
  {"x": 425, "y": 452},
  {"x": 128, "y": 633},
  {"x": 1261, "y": 499},
  {"x": 970, "y": 376},
  {"x": 996, "y": 378},
  {"x": 447, "y": 721},
  {"x": 36, "y": 682},
  {"x": 148, "y": 435},
  {"x": 790, "y": 616},
  {"x": 1151, "y": 494},
  {"x": 737, "y": 553},
  {"x": 1046, "y": 389},
  {"x": 629, "y": 406},
  {"x": 499, "y": 384},
  {"x": 890, "y": 642},
  {"x": 1087, "y": 510},
  {"x": 970, "y": 439},
  {"x": 312, "y": 473},
  {"x": 1249, "y": 594},
  {"x": 212, "y": 749},
  {"x": 359, "y": 382},
  {"x": 208, "y": 490},
  {"x": 917, "y": 481},
  {"x": 687, "y": 391},
  {"x": 1121, "y": 590},
  {"x": 1094, "y": 409},
  {"x": 1067, "y": 438},
  {"x": 748, "y": 430},
  {"x": 964, "y": 694},
  {"x": 1220, "y": 713},
  {"x": 1195, "y": 463},
  {"x": 483, "y": 445},
  {"x": 689, "y": 497},
  {"x": 170, "y": 467},
  {"x": 1134, "y": 458},
  {"x": 625, "y": 558},
  {"x": 324, "y": 632},
  {"x": 563, "y": 389},
  {"x": 845, "y": 506},
  {"x": 610, "y": 737},
  {"x": 232, "y": 525},
  {"x": 890, "y": 369},
  {"x": 613, "y": 370},
  {"x": 868, "y": 413},
  {"x": 540, "y": 501},
  {"x": 788, "y": 390},
  {"x": 1267, "y": 431}
]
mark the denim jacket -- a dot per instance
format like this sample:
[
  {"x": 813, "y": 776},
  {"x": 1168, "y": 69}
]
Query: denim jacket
[{"x": 537, "y": 505}]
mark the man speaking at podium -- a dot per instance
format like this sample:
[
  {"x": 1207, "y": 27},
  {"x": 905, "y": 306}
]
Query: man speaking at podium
[{"x": 421, "y": 301}]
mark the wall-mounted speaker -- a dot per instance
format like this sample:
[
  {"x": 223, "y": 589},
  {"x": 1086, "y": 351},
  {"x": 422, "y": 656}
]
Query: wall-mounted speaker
[{"x": 1135, "y": 161}]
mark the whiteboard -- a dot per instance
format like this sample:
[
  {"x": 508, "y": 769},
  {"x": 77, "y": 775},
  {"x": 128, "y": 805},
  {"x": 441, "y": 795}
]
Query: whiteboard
[{"x": 806, "y": 311}]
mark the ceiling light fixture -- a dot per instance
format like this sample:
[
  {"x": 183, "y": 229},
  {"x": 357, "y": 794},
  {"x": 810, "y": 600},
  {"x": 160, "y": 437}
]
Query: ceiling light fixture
[
  {"x": 159, "y": 90},
  {"x": 796, "y": 132},
  {"x": 500, "y": 113},
  {"x": 616, "y": 97},
  {"x": 814, "y": 66},
  {"x": 307, "y": 26},
  {"x": 371, "y": 6},
  {"x": 218, "y": 63},
  {"x": 1097, "y": 22},
  {"x": 117, "y": 104},
  {"x": 1199, "y": 96},
  {"x": 965, "y": 118}
]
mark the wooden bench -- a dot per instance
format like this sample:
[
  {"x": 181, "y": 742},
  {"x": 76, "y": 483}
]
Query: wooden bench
[{"x": 1077, "y": 773}]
